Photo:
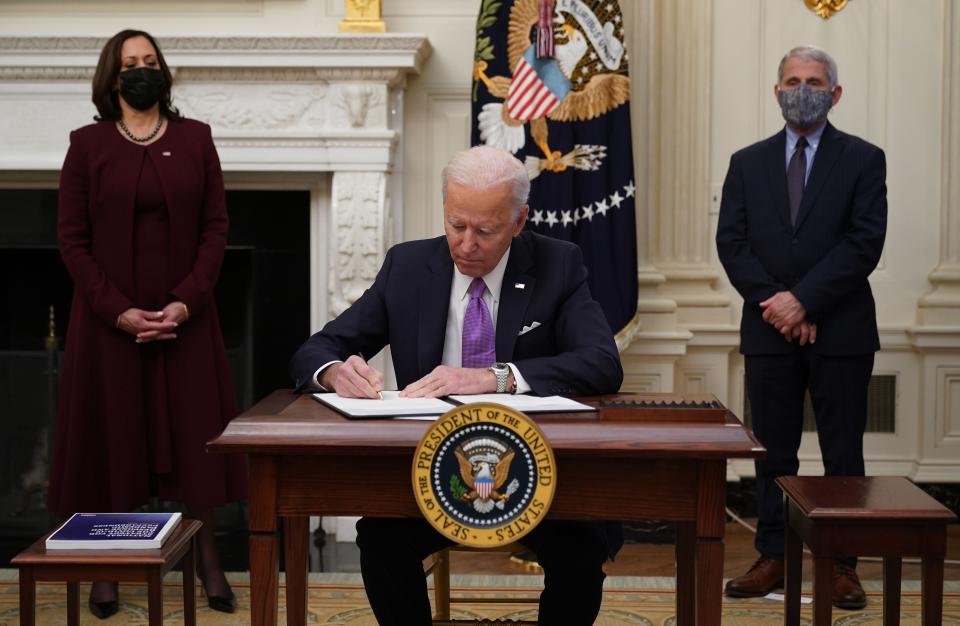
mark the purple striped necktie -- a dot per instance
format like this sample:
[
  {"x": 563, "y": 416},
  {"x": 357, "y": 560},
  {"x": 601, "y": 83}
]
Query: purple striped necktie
[{"x": 477, "y": 346}]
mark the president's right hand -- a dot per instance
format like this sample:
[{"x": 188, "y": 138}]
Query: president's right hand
[{"x": 353, "y": 378}]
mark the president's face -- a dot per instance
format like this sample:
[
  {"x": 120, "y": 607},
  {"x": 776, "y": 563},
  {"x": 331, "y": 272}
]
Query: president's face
[{"x": 479, "y": 226}]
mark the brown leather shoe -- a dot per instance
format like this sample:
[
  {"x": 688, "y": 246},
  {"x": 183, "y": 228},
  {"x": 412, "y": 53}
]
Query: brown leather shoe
[
  {"x": 847, "y": 591},
  {"x": 763, "y": 577}
]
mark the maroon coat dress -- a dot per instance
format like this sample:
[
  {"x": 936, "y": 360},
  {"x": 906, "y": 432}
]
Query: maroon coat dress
[{"x": 142, "y": 226}]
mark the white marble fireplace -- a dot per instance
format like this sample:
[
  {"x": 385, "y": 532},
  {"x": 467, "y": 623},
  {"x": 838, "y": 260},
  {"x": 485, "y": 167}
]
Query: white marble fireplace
[{"x": 320, "y": 113}]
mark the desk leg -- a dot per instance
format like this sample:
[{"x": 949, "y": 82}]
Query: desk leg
[
  {"x": 264, "y": 574},
  {"x": 891, "y": 590},
  {"x": 296, "y": 537},
  {"x": 189, "y": 584},
  {"x": 931, "y": 583},
  {"x": 822, "y": 591},
  {"x": 73, "y": 603},
  {"x": 28, "y": 597},
  {"x": 793, "y": 555},
  {"x": 264, "y": 541},
  {"x": 709, "y": 581},
  {"x": 155, "y": 596},
  {"x": 686, "y": 573},
  {"x": 710, "y": 527}
]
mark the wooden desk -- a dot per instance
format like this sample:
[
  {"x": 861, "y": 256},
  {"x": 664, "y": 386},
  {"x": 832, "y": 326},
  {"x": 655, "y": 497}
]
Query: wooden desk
[
  {"x": 73, "y": 566},
  {"x": 308, "y": 460}
]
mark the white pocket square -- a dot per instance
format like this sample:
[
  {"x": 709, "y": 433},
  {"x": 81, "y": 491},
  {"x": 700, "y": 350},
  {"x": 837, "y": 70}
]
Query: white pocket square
[{"x": 527, "y": 329}]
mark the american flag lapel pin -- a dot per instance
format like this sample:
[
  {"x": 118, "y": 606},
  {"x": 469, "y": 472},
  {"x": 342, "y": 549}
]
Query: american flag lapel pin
[{"x": 518, "y": 285}]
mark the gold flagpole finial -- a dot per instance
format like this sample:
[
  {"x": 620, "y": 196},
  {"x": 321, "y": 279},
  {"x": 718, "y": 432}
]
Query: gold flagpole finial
[{"x": 362, "y": 16}]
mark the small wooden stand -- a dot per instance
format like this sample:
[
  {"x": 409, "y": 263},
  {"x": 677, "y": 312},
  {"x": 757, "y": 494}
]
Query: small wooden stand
[
  {"x": 73, "y": 566},
  {"x": 885, "y": 516}
]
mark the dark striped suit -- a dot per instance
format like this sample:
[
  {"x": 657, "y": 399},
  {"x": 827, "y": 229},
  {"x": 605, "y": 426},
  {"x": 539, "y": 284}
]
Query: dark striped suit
[{"x": 824, "y": 261}]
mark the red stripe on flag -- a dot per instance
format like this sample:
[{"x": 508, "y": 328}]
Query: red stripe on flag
[
  {"x": 528, "y": 110},
  {"x": 529, "y": 93}
]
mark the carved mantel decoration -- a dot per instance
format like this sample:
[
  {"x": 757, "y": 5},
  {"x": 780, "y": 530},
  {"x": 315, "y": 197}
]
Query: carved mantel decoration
[
  {"x": 825, "y": 8},
  {"x": 326, "y": 108}
]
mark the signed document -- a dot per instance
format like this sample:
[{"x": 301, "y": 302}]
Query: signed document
[
  {"x": 392, "y": 405},
  {"x": 527, "y": 404}
]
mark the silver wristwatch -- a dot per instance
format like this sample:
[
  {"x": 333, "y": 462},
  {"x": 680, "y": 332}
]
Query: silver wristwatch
[{"x": 502, "y": 372}]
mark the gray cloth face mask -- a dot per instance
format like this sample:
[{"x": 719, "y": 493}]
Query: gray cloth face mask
[{"x": 804, "y": 107}]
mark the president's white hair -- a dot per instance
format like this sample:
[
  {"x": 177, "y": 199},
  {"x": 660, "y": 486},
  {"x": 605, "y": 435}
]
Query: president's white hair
[
  {"x": 485, "y": 167},
  {"x": 811, "y": 53}
]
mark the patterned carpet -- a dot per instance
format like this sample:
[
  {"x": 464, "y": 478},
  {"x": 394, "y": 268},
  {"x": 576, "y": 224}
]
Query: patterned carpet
[{"x": 339, "y": 599}]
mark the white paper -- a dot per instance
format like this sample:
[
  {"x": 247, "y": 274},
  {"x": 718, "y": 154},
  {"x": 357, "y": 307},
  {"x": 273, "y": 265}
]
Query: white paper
[
  {"x": 392, "y": 405},
  {"x": 779, "y": 597},
  {"x": 527, "y": 404}
]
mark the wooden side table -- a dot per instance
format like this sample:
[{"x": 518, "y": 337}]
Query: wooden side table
[
  {"x": 884, "y": 516},
  {"x": 73, "y": 566}
]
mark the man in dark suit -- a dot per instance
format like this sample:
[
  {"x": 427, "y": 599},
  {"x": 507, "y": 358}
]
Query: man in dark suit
[
  {"x": 802, "y": 224},
  {"x": 487, "y": 308}
]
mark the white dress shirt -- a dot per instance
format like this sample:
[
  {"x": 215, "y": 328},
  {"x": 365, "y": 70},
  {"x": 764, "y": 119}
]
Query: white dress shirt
[
  {"x": 813, "y": 142},
  {"x": 459, "y": 298}
]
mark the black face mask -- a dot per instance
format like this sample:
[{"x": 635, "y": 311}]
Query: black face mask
[{"x": 141, "y": 87}]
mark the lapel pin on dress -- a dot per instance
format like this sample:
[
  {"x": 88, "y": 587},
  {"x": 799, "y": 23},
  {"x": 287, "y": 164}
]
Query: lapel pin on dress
[
  {"x": 518, "y": 285},
  {"x": 166, "y": 153}
]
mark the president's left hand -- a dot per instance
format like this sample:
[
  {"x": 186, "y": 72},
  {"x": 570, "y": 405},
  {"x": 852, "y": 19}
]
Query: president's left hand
[
  {"x": 783, "y": 310},
  {"x": 445, "y": 380}
]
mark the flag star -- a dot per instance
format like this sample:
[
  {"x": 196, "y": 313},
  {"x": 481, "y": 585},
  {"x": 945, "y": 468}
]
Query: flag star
[
  {"x": 576, "y": 216},
  {"x": 617, "y": 19},
  {"x": 551, "y": 218},
  {"x": 615, "y": 200},
  {"x": 599, "y": 66},
  {"x": 579, "y": 80},
  {"x": 588, "y": 212},
  {"x": 537, "y": 217},
  {"x": 629, "y": 188},
  {"x": 610, "y": 8},
  {"x": 593, "y": 56},
  {"x": 566, "y": 218},
  {"x": 602, "y": 207}
]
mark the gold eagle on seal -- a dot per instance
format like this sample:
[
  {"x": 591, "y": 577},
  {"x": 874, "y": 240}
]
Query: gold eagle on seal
[{"x": 484, "y": 468}]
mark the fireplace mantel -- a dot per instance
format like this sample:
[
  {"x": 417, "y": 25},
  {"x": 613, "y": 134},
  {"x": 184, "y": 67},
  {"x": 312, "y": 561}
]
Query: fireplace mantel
[{"x": 330, "y": 106}]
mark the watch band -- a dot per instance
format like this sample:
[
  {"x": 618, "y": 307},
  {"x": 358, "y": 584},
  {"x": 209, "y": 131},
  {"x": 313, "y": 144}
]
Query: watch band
[{"x": 502, "y": 372}]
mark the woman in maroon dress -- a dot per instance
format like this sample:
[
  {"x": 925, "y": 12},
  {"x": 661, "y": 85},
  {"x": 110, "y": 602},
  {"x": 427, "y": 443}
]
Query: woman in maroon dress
[{"x": 142, "y": 227}]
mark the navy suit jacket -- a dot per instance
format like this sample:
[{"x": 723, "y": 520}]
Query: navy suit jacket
[
  {"x": 825, "y": 259},
  {"x": 571, "y": 352}
]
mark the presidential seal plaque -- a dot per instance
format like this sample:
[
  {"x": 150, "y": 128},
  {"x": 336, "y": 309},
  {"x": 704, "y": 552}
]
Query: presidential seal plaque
[{"x": 484, "y": 475}]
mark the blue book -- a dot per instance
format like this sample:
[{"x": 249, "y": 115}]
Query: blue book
[{"x": 113, "y": 531}]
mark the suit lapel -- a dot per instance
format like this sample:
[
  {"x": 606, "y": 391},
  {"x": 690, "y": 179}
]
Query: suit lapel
[
  {"x": 514, "y": 299},
  {"x": 823, "y": 161},
  {"x": 777, "y": 175},
  {"x": 434, "y": 301}
]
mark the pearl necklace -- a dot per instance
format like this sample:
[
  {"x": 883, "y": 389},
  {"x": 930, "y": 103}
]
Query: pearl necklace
[{"x": 146, "y": 138}]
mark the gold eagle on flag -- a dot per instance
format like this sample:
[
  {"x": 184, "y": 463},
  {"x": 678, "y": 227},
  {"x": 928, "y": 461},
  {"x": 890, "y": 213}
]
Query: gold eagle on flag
[{"x": 586, "y": 79}]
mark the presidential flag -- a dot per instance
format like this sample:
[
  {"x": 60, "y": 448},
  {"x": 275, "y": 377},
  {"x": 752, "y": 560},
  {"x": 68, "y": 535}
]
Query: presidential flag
[{"x": 551, "y": 86}]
